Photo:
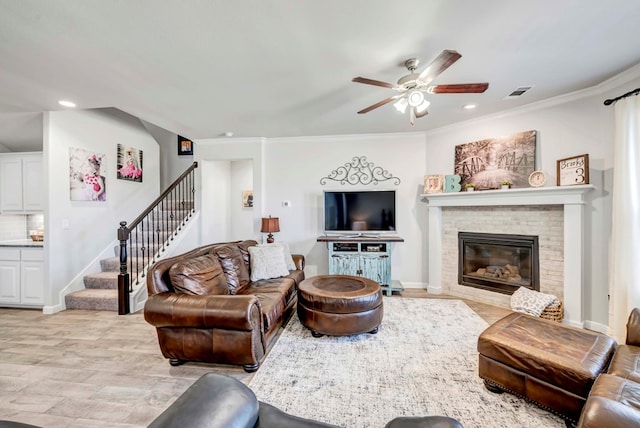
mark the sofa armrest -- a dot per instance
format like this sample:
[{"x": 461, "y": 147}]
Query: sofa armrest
[
  {"x": 231, "y": 312},
  {"x": 299, "y": 261},
  {"x": 633, "y": 328},
  {"x": 611, "y": 403},
  {"x": 213, "y": 401}
]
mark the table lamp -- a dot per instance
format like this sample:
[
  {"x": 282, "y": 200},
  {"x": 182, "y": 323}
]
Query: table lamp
[{"x": 269, "y": 225}]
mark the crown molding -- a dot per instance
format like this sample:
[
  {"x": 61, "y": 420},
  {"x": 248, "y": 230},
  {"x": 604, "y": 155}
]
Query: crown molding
[
  {"x": 347, "y": 137},
  {"x": 609, "y": 84}
]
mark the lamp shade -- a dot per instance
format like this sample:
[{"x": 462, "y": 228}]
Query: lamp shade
[{"x": 270, "y": 224}]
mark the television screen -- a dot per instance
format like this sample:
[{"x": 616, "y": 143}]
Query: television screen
[{"x": 360, "y": 211}]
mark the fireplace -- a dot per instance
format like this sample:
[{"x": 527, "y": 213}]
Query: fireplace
[{"x": 498, "y": 262}]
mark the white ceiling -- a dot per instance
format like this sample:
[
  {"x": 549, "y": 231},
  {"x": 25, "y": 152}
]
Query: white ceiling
[{"x": 268, "y": 68}]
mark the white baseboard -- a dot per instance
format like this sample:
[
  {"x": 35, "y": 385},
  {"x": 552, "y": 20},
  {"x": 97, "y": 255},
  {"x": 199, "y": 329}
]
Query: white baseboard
[
  {"x": 596, "y": 326},
  {"x": 414, "y": 285},
  {"x": 52, "y": 309}
]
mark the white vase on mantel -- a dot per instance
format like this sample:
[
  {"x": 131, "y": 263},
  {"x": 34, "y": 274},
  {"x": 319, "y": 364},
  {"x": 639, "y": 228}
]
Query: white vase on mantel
[
  {"x": 505, "y": 187},
  {"x": 469, "y": 189}
]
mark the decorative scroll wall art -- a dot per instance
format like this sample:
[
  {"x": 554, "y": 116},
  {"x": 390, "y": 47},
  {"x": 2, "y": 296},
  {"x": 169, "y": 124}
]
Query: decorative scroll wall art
[{"x": 359, "y": 171}]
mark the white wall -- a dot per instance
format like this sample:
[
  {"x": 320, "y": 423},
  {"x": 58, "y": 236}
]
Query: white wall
[
  {"x": 241, "y": 221},
  {"x": 213, "y": 194},
  {"x": 290, "y": 169},
  {"x": 171, "y": 165},
  {"x": 92, "y": 225},
  {"x": 571, "y": 125},
  {"x": 293, "y": 168},
  {"x": 215, "y": 206}
]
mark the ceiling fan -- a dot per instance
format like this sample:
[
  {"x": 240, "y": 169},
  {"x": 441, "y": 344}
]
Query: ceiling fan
[{"x": 413, "y": 86}]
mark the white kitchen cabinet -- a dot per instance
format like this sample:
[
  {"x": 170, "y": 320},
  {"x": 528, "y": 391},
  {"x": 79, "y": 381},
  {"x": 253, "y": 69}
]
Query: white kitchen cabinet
[
  {"x": 21, "y": 183},
  {"x": 22, "y": 276}
]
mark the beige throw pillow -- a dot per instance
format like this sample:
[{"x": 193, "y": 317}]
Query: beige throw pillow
[
  {"x": 287, "y": 253},
  {"x": 267, "y": 261}
]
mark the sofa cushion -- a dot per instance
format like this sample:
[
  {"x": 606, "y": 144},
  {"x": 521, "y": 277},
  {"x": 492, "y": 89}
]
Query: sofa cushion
[
  {"x": 626, "y": 363},
  {"x": 267, "y": 262},
  {"x": 232, "y": 262},
  {"x": 274, "y": 296},
  {"x": 199, "y": 276}
]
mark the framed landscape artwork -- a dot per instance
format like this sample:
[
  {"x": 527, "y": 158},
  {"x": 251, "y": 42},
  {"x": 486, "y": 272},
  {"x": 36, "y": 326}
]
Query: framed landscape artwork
[{"x": 487, "y": 163}]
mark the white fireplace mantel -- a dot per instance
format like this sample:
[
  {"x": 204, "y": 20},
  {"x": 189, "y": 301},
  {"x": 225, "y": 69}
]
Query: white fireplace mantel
[{"x": 571, "y": 197}]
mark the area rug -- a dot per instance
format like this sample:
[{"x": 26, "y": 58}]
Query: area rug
[{"x": 423, "y": 361}]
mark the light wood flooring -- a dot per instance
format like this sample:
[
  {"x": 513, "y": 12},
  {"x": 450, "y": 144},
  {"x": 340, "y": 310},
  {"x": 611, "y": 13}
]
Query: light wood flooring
[{"x": 82, "y": 368}]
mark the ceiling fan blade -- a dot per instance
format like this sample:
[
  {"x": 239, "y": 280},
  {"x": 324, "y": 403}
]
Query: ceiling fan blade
[
  {"x": 423, "y": 113},
  {"x": 460, "y": 88},
  {"x": 379, "y": 104},
  {"x": 374, "y": 82},
  {"x": 438, "y": 65}
]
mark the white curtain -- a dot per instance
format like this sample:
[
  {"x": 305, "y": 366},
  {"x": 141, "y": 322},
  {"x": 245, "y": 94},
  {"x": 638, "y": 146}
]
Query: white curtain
[{"x": 624, "y": 262}]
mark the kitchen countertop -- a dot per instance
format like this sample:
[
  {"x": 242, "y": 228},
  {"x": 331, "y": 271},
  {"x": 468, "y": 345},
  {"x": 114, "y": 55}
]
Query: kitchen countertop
[{"x": 21, "y": 243}]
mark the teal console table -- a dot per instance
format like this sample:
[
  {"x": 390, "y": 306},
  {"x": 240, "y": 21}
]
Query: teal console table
[{"x": 369, "y": 257}]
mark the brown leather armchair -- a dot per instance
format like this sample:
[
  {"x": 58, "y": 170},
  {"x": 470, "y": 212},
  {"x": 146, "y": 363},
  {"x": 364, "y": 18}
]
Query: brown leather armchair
[
  {"x": 614, "y": 400},
  {"x": 205, "y": 308}
]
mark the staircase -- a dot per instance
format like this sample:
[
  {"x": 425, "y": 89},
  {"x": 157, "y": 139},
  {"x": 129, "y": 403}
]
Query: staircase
[
  {"x": 101, "y": 289},
  {"x": 147, "y": 239}
]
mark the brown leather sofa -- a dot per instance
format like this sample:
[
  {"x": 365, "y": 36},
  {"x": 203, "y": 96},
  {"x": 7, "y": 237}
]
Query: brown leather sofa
[
  {"x": 205, "y": 307},
  {"x": 614, "y": 400}
]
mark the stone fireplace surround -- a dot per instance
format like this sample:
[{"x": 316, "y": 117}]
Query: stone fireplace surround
[{"x": 554, "y": 214}]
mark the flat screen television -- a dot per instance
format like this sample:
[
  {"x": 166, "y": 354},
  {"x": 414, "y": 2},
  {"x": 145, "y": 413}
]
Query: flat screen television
[{"x": 363, "y": 211}]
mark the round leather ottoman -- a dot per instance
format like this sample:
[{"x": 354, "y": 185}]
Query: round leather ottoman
[{"x": 340, "y": 305}]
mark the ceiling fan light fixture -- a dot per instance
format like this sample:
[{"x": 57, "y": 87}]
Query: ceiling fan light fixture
[
  {"x": 415, "y": 98},
  {"x": 422, "y": 107},
  {"x": 401, "y": 105}
]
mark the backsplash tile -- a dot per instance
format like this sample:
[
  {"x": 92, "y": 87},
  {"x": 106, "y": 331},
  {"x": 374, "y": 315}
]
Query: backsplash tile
[
  {"x": 18, "y": 226},
  {"x": 13, "y": 227}
]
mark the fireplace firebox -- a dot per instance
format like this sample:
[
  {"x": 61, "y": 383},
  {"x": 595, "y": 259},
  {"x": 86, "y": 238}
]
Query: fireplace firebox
[{"x": 498, "y": 262}]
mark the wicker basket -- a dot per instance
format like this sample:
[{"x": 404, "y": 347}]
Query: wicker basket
[{"x": 553, "y": 312}]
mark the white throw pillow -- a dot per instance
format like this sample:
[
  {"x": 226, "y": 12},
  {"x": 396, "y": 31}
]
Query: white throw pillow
[
  {"x": 267, "y": 261},
  {"x": 287, "y": 253},
  {"x": 531, "y": 302}
]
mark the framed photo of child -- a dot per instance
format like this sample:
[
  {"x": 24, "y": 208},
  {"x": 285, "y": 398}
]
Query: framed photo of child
[
  {"x": 129, "y": 163},
  {"x": 433, "y": 183},
  {"x": 86, "y": 175}
]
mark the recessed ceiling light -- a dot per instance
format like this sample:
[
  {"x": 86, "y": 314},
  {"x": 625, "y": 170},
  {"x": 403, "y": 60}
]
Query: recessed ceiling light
[
  {"x": 66, "y": 103},
  {"x": 470, "y": 106}
]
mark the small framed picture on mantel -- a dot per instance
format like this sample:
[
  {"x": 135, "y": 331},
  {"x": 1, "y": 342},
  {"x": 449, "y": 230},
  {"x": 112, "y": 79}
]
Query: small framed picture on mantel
[{"x": 573, "y": 170}]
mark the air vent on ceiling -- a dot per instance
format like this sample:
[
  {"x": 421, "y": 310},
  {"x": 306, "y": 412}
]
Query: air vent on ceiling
[{"x": 519, "y": 91}]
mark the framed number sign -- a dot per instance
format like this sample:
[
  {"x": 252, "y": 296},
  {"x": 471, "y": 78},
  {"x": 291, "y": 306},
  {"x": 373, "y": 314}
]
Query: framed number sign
[{"x": 573, "y": 170}]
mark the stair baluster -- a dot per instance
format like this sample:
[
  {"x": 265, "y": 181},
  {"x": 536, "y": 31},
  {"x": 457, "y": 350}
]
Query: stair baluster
[{"x": 173, "y": 212}]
